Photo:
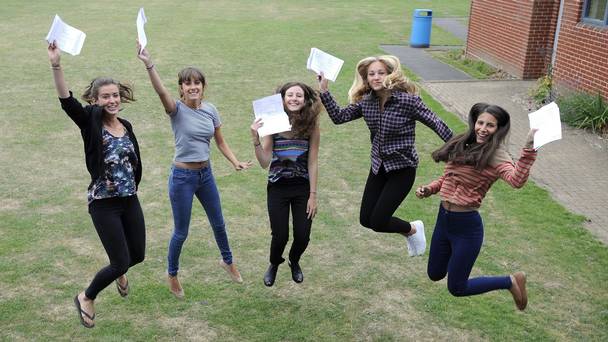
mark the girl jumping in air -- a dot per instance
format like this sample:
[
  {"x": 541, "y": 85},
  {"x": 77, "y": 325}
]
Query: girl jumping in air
[{"x": 474, "y": 161}]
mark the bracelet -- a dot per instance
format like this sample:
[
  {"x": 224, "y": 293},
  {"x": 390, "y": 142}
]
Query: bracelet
[
  {"x": 150, "y": 67},
  {"x": 313, "y": 192},
  {"x": 56, "y": 67},
  {"x": 256, "y": 145}
]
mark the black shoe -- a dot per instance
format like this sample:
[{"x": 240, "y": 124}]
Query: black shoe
[
  {"x": 296, "y": 272},
  {"x": 270, "y": 275}
]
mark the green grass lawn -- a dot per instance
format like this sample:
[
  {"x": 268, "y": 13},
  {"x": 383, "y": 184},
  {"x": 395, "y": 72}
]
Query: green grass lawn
[{"x": 358, "y": 285}]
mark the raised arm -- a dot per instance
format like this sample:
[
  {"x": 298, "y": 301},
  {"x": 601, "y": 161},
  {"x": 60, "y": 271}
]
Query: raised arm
[
  {"x": 336, "y": 114},
  {"x": 55, "y": 59},
  {"x": 166, "y": 99},
  {"x": 69, "y": 104},
  {"x": 313, "y": 171},
  {"x": 263, "y": 148}
]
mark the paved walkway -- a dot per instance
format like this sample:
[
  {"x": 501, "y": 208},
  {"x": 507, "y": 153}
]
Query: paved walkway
[{"x": 574, "y": 170}]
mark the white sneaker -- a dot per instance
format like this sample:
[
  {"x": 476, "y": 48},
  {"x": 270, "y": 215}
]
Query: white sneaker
[
  {"x": 411, "y": 250},
  {"x": 418, "y": 240}
]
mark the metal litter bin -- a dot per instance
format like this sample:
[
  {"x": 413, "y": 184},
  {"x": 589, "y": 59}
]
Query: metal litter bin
[{"x": 421, "y": 28}]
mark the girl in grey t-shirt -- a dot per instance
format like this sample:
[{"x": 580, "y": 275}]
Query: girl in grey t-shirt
[{"x": 194, "y": 122}]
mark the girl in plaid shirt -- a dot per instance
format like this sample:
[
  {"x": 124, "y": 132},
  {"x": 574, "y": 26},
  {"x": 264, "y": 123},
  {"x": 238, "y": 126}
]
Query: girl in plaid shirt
[
  {"x": 388, "y": 103},
  {"x": 475, "y": 160}
]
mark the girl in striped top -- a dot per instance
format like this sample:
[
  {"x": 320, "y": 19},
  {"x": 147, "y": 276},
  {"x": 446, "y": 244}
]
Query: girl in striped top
[
  {"x": 292, "y": 177},
  {"x": 475, "y": 160}
]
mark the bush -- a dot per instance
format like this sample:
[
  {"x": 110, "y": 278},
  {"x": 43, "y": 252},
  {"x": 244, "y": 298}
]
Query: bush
[
  {"x": 542, "y": 92},
  {"x": 583, "y": 110}
]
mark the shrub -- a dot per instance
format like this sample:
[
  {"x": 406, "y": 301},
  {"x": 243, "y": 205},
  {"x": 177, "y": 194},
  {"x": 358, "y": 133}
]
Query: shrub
[
  {"x": 584, "y": 110},
  {"x": 542, "y": 92}
]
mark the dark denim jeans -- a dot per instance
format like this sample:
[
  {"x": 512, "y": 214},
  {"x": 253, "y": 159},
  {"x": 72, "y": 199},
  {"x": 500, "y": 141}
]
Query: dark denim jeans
[
  {"x": 455, "y": 246},
  {"x": 184, "y": 184}
]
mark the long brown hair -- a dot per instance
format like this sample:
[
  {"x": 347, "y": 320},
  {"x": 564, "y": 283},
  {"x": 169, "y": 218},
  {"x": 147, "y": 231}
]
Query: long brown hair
[
  {"x": 464, "y": 149},
  {"x": 91, "y": 92},
  {"x": 304, "y": 121}
]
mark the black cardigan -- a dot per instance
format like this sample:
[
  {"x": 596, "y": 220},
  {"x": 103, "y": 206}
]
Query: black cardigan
[{"x": 89, "y": 120}]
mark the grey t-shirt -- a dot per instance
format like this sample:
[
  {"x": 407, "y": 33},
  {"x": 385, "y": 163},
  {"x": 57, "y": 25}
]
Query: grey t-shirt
[{"x": 193, "y": 130}]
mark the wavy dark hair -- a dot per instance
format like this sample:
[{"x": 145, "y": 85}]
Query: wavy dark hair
[
  {"x": 91, "y": 92},
  {"x": 464, "y": 149},
  {"x": 304, "y": 121}
]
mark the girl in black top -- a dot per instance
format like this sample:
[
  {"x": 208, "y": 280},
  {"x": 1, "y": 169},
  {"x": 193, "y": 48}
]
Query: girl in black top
[{"x": 114, "y": 163}]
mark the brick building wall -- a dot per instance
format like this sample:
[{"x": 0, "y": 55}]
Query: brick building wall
[
  {"x": 513, "y": 35},
  {"x": 582, "y": 53}
]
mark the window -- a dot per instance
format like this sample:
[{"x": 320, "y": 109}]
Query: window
[{"x": 595, "y": 12}]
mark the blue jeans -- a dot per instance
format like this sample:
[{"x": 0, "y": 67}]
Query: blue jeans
[
  {"x": 183, "y": 185},
  {"x": 454, "y": 248}
]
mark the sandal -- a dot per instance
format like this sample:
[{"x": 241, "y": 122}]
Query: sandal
[
  {"x": 123, "y": 291},
  {"x": 82, "y": 312}
]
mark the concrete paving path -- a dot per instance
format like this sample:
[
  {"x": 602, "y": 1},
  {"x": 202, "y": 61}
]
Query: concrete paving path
[
  {"x": 423, "y": 65},
  {"x": 574, "y": 170}
]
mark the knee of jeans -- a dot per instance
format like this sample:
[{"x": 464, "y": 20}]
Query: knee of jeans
[
  {"x": 435, "y": 276},
  {"x": 179, "y": 236},
  {"x": 457, "y": 289}
]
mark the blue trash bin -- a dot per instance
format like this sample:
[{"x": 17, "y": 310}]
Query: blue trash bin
[{"x": 421, "y": 28}]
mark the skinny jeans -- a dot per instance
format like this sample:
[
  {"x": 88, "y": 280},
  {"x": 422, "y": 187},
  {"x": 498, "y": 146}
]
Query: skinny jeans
[
  {"x": 281, "y": 198},
  {"x": 383, "y": 194},
  {"x": 119, "y": 222},
  {"x": 455, "y": 245},
  {"x": 184, "y": 184}
]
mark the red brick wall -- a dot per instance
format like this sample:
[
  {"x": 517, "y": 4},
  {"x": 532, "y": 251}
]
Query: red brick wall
[
  {"x": 582, "y": 52},
  {"x": 514, "y": 35}
]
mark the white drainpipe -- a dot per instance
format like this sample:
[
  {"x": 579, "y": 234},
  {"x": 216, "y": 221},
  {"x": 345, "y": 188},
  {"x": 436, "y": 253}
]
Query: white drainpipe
[{"x": 556, "y": 37}]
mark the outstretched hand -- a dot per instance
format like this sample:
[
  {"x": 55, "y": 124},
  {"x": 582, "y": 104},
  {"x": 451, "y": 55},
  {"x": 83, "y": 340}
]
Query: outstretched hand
[
  {"x": 54, "y": 53},
  {"x": 243, "y": 165},
  {"x": 423, "y": 192}
]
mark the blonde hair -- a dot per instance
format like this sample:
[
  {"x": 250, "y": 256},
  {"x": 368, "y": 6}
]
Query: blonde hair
[{"x": 394, "y": 80}]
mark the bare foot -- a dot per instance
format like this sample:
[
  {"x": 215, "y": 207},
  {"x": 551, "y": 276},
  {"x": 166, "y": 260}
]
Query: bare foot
[
  {"x": 232, "y": 271},
  {"x": 518, "y": 290},
  {"x": 175, "y": 287}
]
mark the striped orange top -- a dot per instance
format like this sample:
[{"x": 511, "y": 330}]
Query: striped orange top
[{"x": 465, "y": 186}]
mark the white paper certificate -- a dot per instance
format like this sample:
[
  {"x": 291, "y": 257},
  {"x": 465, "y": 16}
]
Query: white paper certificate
[
  {"x": 141, "y": 34},
  {"x": 320, "y": 61},
  {"x": 548, "y": 123},
  {"x": 68, "y": 38},
  {"x": 274, "y": 118}
]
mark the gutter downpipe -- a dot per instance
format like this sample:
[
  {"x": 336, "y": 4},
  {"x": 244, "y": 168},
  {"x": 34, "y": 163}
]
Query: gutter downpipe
[{"x": 556, "y": 37}]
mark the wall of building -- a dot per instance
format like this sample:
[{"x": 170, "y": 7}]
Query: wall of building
[
  {"x": 582, "y": 53},
  {"x": 513, "y": 35}
]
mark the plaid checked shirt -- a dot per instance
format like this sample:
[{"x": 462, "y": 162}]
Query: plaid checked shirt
[{"x": 393, "y": 131}]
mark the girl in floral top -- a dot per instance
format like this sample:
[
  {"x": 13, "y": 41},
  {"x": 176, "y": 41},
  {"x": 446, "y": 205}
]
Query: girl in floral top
[
  {"x": 388, "y": 103},
  {"x": 475, "y": 160},
  {"x": 114, "y": 163}
]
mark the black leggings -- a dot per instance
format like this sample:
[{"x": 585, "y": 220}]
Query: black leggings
[
  {"x": 382, "y": 196},
  {"x": 119, "y": 222},
  {"x": 280, "y": 198}
]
